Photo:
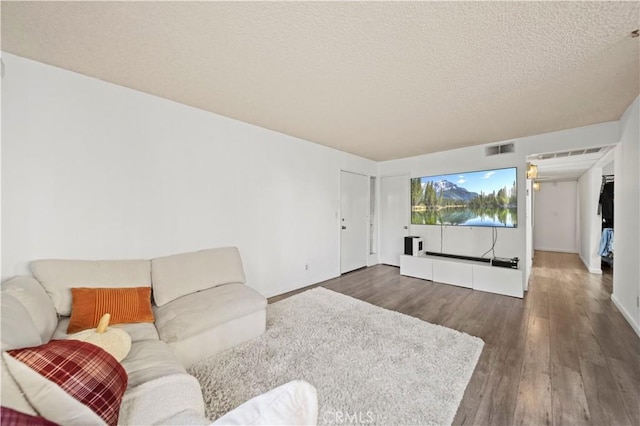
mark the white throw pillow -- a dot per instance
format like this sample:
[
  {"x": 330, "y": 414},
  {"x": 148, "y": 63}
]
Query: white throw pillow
[{"x": 294, "y": 403}]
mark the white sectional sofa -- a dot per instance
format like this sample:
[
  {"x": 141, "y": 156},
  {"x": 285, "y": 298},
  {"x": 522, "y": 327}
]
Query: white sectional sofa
[{"x": 202, "y": 307}]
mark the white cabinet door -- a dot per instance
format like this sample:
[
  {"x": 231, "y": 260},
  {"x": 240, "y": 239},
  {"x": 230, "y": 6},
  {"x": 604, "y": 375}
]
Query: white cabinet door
[
  {"x": 416, "y": 266},
  {"x": 394, "y": 217},
  {"x": 456, "y": 273},
  {"x": 498, "y": 280}
]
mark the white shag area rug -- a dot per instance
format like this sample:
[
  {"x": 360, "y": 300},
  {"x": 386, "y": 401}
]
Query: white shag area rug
[{"x": 368, "y": 364}]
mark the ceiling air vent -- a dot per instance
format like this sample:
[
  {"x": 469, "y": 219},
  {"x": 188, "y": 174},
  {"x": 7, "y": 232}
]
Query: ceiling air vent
[
  {"x": 500, "y": 149},
  {"x": 569, "y": 153}
]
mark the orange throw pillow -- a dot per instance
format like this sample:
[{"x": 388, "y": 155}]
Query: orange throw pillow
[{"x": 126, "y": 305}]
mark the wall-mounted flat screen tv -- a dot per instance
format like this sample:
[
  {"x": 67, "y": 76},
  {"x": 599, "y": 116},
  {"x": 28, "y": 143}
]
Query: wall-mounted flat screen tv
[{"x": 484, "y": 198}]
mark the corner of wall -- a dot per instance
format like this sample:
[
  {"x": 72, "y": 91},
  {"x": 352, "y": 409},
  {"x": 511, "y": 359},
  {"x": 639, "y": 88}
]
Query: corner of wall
[
  {"x": 626, "y": 272},
  {"x": 634, "y": 325}
]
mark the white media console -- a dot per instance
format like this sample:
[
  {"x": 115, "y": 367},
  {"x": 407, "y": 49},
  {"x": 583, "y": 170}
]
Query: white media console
[{"x": 464, "y": 273}]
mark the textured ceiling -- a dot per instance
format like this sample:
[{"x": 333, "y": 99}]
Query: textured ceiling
[{"x": 379, "y": 79}]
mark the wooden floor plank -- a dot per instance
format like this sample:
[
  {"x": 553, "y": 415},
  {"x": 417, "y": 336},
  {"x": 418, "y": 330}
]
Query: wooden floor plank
[
  {"x": 477, "y": 387},
  {"x": 562, "y": 345},
  {"x": 533, "y": 405},
  {"x": 536, "y": 350},
  {"x": 605, "y": 405},
  {"x": 569, "y": 402},
  {"x": 627, "y": 378},
  {"x": 498, "y": 403}
]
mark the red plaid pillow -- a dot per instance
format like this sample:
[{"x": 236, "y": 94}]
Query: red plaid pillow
[
  {"x": 12, "y": 417},
  {"x": 50, "y": 373}
]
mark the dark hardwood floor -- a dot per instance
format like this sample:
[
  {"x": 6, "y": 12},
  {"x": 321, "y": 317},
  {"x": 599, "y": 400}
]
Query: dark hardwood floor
[{"x": 563, "y": 355}]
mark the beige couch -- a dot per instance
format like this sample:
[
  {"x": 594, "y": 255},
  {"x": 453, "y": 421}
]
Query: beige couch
[
  {"x": 202, "y": 307},
  {"x": 202, "y": 304}
]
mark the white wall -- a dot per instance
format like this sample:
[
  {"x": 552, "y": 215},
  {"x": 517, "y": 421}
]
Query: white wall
[
  {"x": 94, "y": 170},
  {"x": 97, "y": 171},
  {"x": 1, "y": 133},
  {"x": 529, "y": 228},
  {"x": 475, "y": 241},
  {"x": 589, "y": 220},
  {"x": 626, "y": 265},
  {"x": 608, "y": 169},
  {"x": 555, "y": 217}
]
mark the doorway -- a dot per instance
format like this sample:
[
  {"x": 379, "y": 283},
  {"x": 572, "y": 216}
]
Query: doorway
[
  {"x": 394, "y": 217},
  {"x": 354, "y": 221},
  {"x": 566, "y": 203}
]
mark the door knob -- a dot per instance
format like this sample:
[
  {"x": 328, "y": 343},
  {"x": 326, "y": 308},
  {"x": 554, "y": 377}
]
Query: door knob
[{"x": 344, "y": 227}]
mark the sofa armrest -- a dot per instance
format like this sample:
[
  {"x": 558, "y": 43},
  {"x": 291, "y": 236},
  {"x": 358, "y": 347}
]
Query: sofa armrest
[
  {"x": 33, "y": 297},
  {"x": 294, "y": 403}
]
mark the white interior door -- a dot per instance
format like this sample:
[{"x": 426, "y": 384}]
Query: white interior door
[
  {"x": 394, "y": 217},
  {"x": 354, "y": 209}
]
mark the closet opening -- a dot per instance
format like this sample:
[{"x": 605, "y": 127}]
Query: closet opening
[{"x": 606, "y": 248}]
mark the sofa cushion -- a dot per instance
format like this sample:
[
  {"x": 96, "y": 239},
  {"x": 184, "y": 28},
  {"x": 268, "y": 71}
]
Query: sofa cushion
[
  {"x": 70, "y": 382},
  {"x": 18, "y": 330},
  {"x": 192, "y": 314},
  {"x": 137, "y": 331},
  {"x": 186, "y": 273},
  {"x": 59, "y": 276},
  {"x": 148, "y": 360},
  {"x": 212, "y": 341},
  {"x": 159, "y": 401},
  {"x": 36, "y": 301},
  {"x": 14, "y": 417},
  {"x": 124, "y": 305}
]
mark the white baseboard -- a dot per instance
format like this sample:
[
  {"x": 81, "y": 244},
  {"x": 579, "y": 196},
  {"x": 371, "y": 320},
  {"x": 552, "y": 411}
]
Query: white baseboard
[
  {"x": 584, "y": 262},
  {"x": 626, "y": 315},
  {"x": 592, "y": 270},
  {"x": 557, "y": 250}
]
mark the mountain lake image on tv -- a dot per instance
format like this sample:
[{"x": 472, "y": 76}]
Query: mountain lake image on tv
[{"x": 484, "y": 198}]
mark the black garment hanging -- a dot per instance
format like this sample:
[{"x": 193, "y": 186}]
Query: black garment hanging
[{"x": 606, "y": 203}]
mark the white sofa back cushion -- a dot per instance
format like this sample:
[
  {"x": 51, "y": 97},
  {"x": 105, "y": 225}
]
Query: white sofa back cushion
[
  {"x": 18, "y": 329},
  {"x": 28, "y": 291},
  {"x": 59, "y": 276},
  {"x": 181, "y": 274}
]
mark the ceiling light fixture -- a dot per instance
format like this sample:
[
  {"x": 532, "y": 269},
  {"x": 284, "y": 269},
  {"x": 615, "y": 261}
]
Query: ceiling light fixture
[{"x": 532, "y": 171}]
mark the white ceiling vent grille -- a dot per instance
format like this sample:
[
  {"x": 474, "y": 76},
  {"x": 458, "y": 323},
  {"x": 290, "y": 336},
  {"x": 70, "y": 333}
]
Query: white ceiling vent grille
[
  {"x": 500, "y": 149},
  {"x": 593, "y": 150},
  {"x": 569, "y": 153}
]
